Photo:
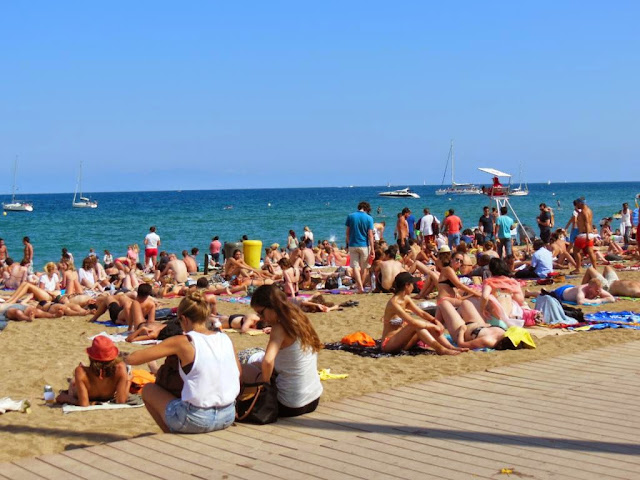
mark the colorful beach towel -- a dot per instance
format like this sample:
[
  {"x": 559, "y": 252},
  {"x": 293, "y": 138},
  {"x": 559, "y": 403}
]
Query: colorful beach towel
[{"x": 233, "y": 299}]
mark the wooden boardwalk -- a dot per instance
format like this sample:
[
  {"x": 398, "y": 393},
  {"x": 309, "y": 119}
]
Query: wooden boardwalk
[{"x": 569, "y": 417}]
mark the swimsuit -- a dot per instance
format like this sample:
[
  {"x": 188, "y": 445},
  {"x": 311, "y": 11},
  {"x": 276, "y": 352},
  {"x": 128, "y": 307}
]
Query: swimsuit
[
  {"x": 558, "y": 293},
  {"x": 114, "y": 310}
]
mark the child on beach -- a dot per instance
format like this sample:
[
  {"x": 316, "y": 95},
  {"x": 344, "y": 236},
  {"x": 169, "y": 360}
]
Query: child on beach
[{"x": 105, "y": 378}]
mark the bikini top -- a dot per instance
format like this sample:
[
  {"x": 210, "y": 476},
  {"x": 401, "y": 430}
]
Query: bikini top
[{"x": 448, "y": 282}]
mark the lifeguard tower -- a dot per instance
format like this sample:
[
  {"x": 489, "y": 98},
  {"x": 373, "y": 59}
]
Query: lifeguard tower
[{"x": 499, "y": 193}]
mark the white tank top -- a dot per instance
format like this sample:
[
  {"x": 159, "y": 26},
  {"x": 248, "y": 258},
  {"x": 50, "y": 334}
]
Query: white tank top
[
  {"x": 298, "y": 381},
  {"x": 214, "y": 379}
]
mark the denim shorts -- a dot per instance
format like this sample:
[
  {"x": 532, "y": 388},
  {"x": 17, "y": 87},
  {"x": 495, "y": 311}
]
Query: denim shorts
[{"x": 182, "y": 417}]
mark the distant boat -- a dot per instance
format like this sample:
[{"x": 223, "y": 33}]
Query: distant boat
[
  {"x": 83, "y": 202},
  {"x": 403, "y": 193},
  {"x": 16, "y": 205},
  {"x": 548, "y": 182},
  {"x": 520, "y": 191},
  {"x": 456, "y": 188}
]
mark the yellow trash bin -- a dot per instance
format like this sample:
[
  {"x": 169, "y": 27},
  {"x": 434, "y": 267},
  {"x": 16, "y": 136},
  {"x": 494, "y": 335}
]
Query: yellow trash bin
[{"x": 252, "y": 251}]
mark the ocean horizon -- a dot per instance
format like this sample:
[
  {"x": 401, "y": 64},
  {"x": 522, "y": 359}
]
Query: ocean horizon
[{"x": 190, "y": 218}]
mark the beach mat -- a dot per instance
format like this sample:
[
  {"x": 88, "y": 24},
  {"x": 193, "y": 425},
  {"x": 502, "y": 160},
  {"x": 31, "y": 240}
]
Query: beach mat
[
  {"x": 376, "y": 352},
  {"x": 100, "y": 406},
  {"x": 122, "y": 337}
]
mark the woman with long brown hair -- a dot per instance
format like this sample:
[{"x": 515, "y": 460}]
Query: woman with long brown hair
[{"x": 292, "y": 352}]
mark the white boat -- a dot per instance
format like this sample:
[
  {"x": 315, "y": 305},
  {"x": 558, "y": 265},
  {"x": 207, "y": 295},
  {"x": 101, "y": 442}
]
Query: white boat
[
  {"x": 81, "y": 201},
  {"x": 520, "y": 191},
  {"x": 456, "y": 188},
  {"x": 16, "y": 205},
  {"x": 403, "y": 193}
]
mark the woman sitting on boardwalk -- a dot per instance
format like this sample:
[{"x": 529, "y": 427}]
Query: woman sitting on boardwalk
[
  {"x": 292, "y": 353},
  {"x": 402, "y": 330},
  {"x": 209, "y": 368}
]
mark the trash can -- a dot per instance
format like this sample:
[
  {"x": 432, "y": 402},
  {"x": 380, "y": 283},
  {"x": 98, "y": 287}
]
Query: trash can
[
  {"x": 252, "y": 251},
  {"x": 230, "y": 247}
]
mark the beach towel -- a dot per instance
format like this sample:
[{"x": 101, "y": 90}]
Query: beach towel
[
  {"x": 8, "y": 405},
  {"x": 122, "y": 337},
  {"x": 552, "y": 311},
  {"x": 376, "y": 352},
  {"x": 99, "y": 406},
  {"x": 624, "y": 317},
  {"x": 109, "y": 323},
  {"x": 233, "y": 299},
  {"x": 166, "y": 313}
]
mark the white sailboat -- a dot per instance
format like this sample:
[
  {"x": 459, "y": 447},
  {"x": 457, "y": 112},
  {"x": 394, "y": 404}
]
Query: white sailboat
[
  {"x": 82, "y": 202},
  {"x": 16, "y": 205},
  {"x": 456, "y": 188},
  {"x": 520, "y": 191}
]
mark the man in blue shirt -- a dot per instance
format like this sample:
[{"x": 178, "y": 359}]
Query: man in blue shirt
[
  {"x": 503, "y": 227},
  {"x": 411, "y": 220},
  {"x": 541, "y": 262},
  {"x": 360, "y": 242}
]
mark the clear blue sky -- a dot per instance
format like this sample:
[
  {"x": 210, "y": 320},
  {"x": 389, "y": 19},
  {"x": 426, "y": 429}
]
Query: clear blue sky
[{"x": 156, "y": 95}]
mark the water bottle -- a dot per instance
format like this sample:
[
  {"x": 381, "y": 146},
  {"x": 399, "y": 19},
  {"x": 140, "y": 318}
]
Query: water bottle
[
  {"x": 339, "y": 281},
  {"x": 373, "y": 281},
  {"x": 112, "y": 289},
  {"x": 49, "y": 396}
]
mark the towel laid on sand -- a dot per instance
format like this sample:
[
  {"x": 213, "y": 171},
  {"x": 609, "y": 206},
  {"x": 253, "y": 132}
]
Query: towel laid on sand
[
  {"x": 99, "y": 406},
  {"x": 376, "y": 352},
  {"x": 232, "y": 299},
  {"x": 122, "y": 337},
  {"x": 8, "y": 405}
]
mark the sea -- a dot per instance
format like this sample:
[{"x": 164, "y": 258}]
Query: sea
[{"x": 187, "y": 219}]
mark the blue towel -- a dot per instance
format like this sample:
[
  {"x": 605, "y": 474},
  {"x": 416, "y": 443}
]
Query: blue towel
[{"x": 552, "y": 311}]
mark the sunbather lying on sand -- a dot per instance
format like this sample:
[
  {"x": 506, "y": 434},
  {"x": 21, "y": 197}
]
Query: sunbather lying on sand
[{"x": 611, "y": 282}]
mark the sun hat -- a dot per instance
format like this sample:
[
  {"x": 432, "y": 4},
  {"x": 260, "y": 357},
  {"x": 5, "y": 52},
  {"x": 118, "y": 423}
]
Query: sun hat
[
  {"x": 444, "y": 249},
  {"x": 102, "y": 349}
]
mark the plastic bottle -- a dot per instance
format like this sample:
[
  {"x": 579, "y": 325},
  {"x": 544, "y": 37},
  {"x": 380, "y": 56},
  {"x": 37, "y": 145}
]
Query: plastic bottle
[
  {"x": 339, "y": 281},
  {"x": 49, "y": 396},
  {"x": 373, "y": 282}
]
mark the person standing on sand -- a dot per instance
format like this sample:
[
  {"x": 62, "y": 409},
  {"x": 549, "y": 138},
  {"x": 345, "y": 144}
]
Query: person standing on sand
[
  {"x": 359, "y": 233},
  {"x": 586, "y": 235},
  {"x": 626, "y": 226},
  {"x": 426, "y": 226},
  {"x": 402, "y": 228},
  {"x": 453, "y": 225},
  {"x": 151, "y": 244},
  {"x": 27, "y": 258},
  {"x": 3, "y": 253},
  {"x": 486, "y": 223}
]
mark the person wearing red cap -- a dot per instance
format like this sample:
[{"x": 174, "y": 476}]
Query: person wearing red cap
[{"x": 105, "y": 379}]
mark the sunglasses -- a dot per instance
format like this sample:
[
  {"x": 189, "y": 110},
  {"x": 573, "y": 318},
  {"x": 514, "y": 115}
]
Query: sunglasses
[{"x": 261, "y": 312}]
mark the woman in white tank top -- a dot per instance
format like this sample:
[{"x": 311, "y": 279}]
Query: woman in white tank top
[
  {"x": 292, "y": 352},
  {"x": 209, "y": 368}
]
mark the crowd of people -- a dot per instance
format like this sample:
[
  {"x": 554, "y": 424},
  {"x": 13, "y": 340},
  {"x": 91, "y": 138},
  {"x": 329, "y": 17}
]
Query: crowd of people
[{"x": 473, "y": 274}]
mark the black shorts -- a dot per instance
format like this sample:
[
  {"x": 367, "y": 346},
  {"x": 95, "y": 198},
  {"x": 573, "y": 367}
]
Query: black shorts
[{"x": 114, "y": 310}]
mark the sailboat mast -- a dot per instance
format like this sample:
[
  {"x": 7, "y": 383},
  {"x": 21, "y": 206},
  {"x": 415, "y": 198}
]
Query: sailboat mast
[
  {"x": 15, "y": 172},
  {"x": 453, "y": 167}
]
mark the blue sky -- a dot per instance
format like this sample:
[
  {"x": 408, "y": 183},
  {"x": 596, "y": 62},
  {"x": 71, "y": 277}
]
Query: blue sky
[{"x": 208, "y": 95}]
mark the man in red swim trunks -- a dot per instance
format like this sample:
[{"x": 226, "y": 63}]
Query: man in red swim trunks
[
  {"x": 151, "y": 244},
  {"x": 586, "y": 235}
]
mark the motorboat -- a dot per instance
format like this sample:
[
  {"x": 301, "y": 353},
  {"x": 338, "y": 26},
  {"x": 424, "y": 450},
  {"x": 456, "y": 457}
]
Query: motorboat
[
  {"x": 16, "y": 205},
  {"x": 456, "y": 188},
  {"x": 403, "y": 193},
  {"x": 81, "y": 201}
]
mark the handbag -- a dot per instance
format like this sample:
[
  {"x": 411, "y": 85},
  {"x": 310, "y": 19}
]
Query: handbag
[{"x": 261, "y": 407}]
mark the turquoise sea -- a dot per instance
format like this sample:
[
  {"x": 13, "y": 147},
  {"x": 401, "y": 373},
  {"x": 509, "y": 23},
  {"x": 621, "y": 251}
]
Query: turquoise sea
[{"x": 190, "y": 218}]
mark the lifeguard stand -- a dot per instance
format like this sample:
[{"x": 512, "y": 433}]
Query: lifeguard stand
[{"x": 500, "y": 194}]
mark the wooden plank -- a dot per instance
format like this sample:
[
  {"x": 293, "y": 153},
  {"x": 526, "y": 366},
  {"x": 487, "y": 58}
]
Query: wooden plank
[
  {"x": 416, "y": 420},
  {"x": 78, "y": 468},
  {"x": 497, "y": 433},
  {"x": 146, "y": 463},
  {"x": 16, "y": 472},
  {"x": 164, "y": 459},
  {"x": 204, "y": 456},
  {"x": 44, "y": 469},
  {"x": 118, "y": 469}
]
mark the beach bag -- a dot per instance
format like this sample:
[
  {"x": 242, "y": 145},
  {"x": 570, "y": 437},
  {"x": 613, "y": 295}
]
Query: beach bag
[
  {"x": 259, "y": 407},
  {"x": 435, "y": 226},
  {"x": 139, "y": 378},
  {"x": 168, "y": 376},
  {"x": 358, "y": 338},
  {"x": 331, "y": 283}
]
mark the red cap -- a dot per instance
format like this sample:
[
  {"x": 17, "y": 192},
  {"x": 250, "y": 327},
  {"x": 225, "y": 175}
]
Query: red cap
[{"x": 102, "y": 349}]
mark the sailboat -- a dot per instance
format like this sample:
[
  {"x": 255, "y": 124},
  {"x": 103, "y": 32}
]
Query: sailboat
[
  {"x": 519, "y": 191},
  {"x": 456, "y": 188},
  {"x": 16, "y": 205},
  {"x": 83, "y": 202}
]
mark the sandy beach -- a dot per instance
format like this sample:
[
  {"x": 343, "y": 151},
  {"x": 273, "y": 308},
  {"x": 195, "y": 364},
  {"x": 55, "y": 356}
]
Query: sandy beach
[{"x": 47, "y": 351}]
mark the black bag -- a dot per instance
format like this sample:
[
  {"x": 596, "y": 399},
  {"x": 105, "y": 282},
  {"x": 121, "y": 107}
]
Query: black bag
[
  {"x": 331, "y": 283},
  {"x": 435, "y": 226},
  {"x": 261, "y": 407}
]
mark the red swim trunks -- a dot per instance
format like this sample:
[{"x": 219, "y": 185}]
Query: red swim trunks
[
  {"x": 151, "y": 252},
  {"x": 583, "y": 243}
]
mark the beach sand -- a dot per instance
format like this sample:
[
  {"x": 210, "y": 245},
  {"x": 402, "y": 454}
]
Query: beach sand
[{"x": 47, "y": 351}]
